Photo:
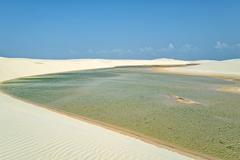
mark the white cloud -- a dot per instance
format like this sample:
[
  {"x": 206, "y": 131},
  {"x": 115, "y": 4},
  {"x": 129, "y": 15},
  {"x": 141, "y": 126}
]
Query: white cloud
[
  {"x": 171, "y": 46},
  {"x": 129, "y": 51},
  {"x": 188, "y": 48},
  {"x": 72, "y": 52},
  {"x": 117, "y": 51},
  {"x": 146, "y": 49},
  {"x": 221, "y": 45}
]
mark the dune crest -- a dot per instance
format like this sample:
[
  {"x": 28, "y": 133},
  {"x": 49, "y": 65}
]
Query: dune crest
[{"x": 32, "y": 132}]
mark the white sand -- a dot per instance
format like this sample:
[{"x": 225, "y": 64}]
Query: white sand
[
  {"x": 28, "y": 132},
  {"x": 228, "y": 68},
  {"x": 18, "y": 67}
]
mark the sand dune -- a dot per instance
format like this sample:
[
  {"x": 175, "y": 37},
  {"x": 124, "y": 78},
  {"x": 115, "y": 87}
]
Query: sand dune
[
  {"x": 31, "y": 132},
  {"x": 18, "y": 67},
  {"x": 227, "y": 68}
]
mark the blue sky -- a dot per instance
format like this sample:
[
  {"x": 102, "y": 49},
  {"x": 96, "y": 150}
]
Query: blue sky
[{"x": 133, "y": 29}]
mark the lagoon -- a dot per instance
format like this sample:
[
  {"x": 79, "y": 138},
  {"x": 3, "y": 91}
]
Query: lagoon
[{"x": 189, "y": 112}]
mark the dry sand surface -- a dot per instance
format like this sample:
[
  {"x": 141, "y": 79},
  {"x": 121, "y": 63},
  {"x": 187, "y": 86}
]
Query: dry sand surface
[
  {"x": 31, "y": 132},
  {"x": 19, "y": 67},
  {"x": 227, "y": 68}
]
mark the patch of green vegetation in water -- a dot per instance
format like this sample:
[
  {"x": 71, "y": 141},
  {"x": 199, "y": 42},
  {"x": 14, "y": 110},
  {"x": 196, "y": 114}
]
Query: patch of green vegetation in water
[{"x": 140, "y": 100}]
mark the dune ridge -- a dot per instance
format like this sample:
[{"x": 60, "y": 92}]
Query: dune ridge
[
  {"x": 30, "y": 132},
  {"x": 36, "y": 133},
  {"x": 226, "y": 68},
  {"x": 19, "y": 67}
]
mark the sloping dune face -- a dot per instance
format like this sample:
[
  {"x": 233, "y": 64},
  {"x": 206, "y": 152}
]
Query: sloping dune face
[
  {"x": 176, "y": 109},
  {"x": 29, "y": 132},
  {"x": 11, "y": 68},
  {"x": 229, "y": 68}
]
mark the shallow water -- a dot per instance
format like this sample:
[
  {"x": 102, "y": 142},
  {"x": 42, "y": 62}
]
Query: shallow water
[{"x": 143, "y": 101}]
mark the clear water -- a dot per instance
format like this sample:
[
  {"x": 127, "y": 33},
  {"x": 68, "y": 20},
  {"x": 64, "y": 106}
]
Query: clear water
[{"x": 142, "y": 101}]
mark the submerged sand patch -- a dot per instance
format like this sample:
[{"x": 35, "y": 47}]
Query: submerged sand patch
[
  {"x": 32, "y": 132},
  {"x": 87, "y": 142},
  {"x": 232, "y": 89},
  {"x": 183, "y": 100},
  {"x": 36, "y": 133}
]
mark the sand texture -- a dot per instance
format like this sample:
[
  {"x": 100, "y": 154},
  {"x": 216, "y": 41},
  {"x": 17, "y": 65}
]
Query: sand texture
[
  {"x": 31, "y": 132},
  {"x": 227, "y": 68},
  {"x": 11, "y": 68}
]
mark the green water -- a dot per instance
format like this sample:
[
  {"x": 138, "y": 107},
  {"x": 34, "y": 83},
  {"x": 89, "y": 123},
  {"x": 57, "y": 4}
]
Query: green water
[{"x": 142, "y": 101}]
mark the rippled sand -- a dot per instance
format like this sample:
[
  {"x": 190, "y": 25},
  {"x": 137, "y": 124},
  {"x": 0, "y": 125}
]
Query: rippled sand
[
  {"x": 28, "y": 132},
  {"x": 33, "y": 133}
]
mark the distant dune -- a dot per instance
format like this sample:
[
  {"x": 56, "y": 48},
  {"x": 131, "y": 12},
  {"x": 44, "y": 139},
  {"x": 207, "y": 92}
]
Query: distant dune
[
  {"x": 227, "y": 68},
  {"x": 19, "y": 67},
  {"x": 30, "y": 132}
]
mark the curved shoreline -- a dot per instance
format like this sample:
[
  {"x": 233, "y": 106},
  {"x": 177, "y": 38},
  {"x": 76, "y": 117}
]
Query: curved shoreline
[
  {"x": 120, "y": 138},
  {"x": 156, "y": 142},
  {"x": 94, "y": 64},
  {"x": 117, "y": 142}
]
